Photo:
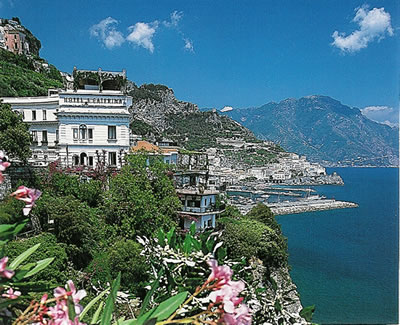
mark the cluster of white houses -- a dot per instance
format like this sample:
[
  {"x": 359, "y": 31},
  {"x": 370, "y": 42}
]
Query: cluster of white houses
[{"x": 88, "y": 125}]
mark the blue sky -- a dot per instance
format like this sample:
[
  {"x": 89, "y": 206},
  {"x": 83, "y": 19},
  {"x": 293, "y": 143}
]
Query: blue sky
[{"x": 236, "y": 53}]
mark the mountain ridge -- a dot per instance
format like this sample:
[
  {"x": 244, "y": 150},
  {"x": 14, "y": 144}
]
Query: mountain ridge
[{"x": 324, "y": 129}]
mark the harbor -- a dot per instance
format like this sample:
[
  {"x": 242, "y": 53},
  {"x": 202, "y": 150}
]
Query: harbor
[{"x": 296, "y": 200}]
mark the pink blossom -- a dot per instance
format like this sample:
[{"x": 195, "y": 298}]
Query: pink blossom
[
  {"x": 3, "y": 166},
  {"x": 228, "y": 295},
  {"x": 27, "y": 195},
  {"x": 11, "y": 294},
  {"x": 4, "y": 273},
  {"x": 76, "y": 296},
  {"x": 241, "y": 316},
  {"x": 222, "y": 274}
]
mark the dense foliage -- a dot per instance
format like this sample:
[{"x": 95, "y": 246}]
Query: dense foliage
[
  {"x": 14, "y": 134},
  {"x": 256, "y": 235},
  {"x": 23, "y": 76},
  {"x": 140, "y": 200}
]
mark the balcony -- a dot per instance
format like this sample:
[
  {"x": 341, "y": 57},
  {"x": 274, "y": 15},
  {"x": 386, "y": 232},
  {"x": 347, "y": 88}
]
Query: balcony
[{"x": 210, "y": 208}]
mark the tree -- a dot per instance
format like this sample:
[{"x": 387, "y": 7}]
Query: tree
[
  {"x": 124, "y": 256},
  {"x": 248, "y": 238},
  {"x": 141, "y": 198},
  {"x": 14, "y": 134}
]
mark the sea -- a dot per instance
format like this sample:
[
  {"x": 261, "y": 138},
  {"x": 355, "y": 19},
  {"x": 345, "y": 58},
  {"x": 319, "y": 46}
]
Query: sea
[{"x": 346, "y": 262}]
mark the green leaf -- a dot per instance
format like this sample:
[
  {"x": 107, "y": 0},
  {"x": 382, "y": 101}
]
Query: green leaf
[
  {"x": 107, "y": 313},
  {"x": 274, "y": 284},
  {"x": 22, "y": 271},
  {"x": 187, "y": 244},
  {"x": 96, "y": 315},
  {"x": 169, "y": 306},
  {"x": 196, "y": 244},
  {"x": 154, "y": 287},
  {"x": 92, "y": 303},
  {"x": 161, "y": 237},
  {"x": 171, "y": 236},
  {"x": 192, "y": 230},
  {"x": 278, "y": 306},
  {"x": 307, "y": 313},
  {"x": 22, "y": 257},
  {"x": 71, "y": 307},
  {"x": 39, "y": 266},
  {"x": 221, "y": 253},
  {"x": 210, "y": 245}
]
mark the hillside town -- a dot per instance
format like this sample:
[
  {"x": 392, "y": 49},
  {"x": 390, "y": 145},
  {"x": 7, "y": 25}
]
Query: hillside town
[{"x": 87, "y": 126}]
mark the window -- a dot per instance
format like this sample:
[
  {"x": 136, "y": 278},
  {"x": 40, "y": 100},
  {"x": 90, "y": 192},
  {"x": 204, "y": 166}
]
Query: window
[
  {"x": 44, "y": 115},
  {"x": 209, "y": 223},
  {"x": 33, "y": 115},
  {"x": 90, "y": 134},
  {"x": 82, "y": 132},
  {"x": 112, "y": 158},
  {"x": 75, "y": 133},
  {"x": 112, "y": 133},
  {"x": 57, "y": 136},
  {"x": 34, "y": 136},
  {"x": 91, "y": 161},
  {"x": 76, "y": 160},
  {"x": 44, "y": 136}
]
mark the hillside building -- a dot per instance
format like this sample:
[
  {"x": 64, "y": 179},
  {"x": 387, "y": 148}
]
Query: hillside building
[{"x": 84, "y": 126}]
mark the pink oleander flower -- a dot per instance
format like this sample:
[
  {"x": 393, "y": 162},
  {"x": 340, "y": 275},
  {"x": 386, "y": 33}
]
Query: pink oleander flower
[
  {"x": 241, "y": 316},
  {"x": 3, "y": 166},
  {"x": 27, "y": 195},
  {"x": 221, "y": 274},
  {"x": 228, "y": 295},
  {"x": 4, "y": 273},
  {"x": 11, "y": 294},
  {"x": 76, "y": 296}
]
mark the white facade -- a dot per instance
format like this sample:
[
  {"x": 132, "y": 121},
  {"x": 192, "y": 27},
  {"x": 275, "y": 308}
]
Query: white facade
[
  {"x": 40, "y": 114},
  {"x": 80, "y": 128}
]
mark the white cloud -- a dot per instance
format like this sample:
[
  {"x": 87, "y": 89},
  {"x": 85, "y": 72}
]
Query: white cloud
[
  {"x": 106, "y": 32},
  {"x": 382, "y": 114},
  {"x": 373, "y": 24},
  {"x": 175, "y": 17},
  {"x": 188, "y": 45},
  {"x": 142, "y": 35}
]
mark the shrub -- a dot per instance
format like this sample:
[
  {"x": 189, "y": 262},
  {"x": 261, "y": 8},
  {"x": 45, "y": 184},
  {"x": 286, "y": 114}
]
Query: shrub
[
  {"x": 124, "y": 256},
  {"x": 248, "y": 238},
  {"x": 75, "y": 224},
  {"x": 55, "y": 273}
]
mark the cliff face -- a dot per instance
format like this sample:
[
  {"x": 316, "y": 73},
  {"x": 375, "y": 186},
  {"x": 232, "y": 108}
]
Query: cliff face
[
  {"x": 153, "y": 104},
  {"x": 323, "y": 129},
  {"x": 164, "y": 115}
]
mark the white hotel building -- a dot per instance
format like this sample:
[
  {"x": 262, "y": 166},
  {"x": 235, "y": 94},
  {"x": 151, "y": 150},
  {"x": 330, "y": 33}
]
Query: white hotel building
[{"x": 83, "y": 126}]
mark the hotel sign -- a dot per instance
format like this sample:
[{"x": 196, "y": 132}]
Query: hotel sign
[{"x": 94, "y": 100}]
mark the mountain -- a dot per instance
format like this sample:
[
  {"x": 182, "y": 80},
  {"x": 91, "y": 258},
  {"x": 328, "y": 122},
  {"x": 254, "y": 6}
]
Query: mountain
[
  {"x": 323, "y": 129},
  {"x": 156, "y": 111}
]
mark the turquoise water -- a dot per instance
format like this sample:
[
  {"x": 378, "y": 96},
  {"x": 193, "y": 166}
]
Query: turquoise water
[{"x": 346, "y": 261}]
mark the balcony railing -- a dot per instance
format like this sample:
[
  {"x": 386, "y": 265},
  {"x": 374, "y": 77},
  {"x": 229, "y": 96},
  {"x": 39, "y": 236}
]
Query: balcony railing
[{"x": 210, "y": 208}]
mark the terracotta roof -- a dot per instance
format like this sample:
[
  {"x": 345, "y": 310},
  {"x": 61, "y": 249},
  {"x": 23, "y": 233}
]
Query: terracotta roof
[{"x": 146, "y": 146}]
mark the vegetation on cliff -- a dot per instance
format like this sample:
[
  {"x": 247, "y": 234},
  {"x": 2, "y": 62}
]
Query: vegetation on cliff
[{"x": 26, "y": 76}]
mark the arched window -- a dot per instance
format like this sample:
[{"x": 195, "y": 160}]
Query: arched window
[{"x": 82, "y": 132}]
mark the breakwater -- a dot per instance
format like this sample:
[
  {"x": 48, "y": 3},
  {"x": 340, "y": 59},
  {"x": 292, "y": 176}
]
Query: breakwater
[{"x": 309, "y": 206}]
